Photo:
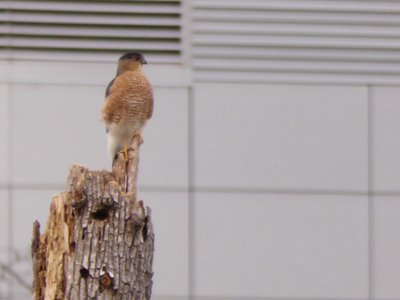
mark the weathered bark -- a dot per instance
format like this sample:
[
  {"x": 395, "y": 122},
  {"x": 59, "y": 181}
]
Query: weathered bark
[{"x": 99, "y": 240}]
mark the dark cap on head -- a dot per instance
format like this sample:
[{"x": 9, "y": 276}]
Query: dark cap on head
[{"x": 134, "y": 55}]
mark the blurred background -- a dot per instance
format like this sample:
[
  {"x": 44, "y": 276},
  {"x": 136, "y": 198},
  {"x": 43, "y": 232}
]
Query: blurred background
[{"x": 271, "y": 162}]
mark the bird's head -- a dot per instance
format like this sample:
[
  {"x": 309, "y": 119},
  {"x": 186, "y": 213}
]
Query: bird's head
[{"x": 130, "y": 61}]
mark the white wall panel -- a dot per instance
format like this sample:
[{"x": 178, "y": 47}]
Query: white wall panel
[
  {"x": 27, "y": 206},
  {"x": 53, "y": 128},
  {"x": 4, "y": 226},
  {"x": 284, "y": 246},
  {"x": 37, "y": 203},
  {"x": 4, "y": 133},
  {"x": 280, "y": 137},
  {"x": 86, "y": 71},
  {"x": 386, "y": 233},
  {"x": 386, "y": 138},
  {"x": 164, "y": 153},
  {"x": 65, "y": 127},
  {"x": 171, "y": 254},
  {"x": 4, "y": 239}
]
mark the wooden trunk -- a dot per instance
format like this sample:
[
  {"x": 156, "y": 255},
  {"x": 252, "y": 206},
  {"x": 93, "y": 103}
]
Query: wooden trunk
[{"x": 99, "y": 239}]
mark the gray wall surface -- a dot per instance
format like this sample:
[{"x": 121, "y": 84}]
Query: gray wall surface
[{"x": 270, "y": 164}]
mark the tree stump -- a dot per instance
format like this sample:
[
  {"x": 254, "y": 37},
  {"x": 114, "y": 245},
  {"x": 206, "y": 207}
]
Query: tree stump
[{"x": 99, "y": 239}]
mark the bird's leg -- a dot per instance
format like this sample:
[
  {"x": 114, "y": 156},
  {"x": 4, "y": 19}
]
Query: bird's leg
[
  {"x": 126, "y": 151},
  {"x": 139, "y": 136}
]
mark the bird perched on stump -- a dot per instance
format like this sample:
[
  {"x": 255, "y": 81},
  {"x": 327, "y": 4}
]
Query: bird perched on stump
[{"x": 128, "y": 104}]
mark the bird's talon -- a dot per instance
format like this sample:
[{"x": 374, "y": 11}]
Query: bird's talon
[
  {"x": 140, "y": 138},
  {"x": 126, "y": 152}
]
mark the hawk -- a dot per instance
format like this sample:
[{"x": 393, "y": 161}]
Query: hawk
[{"x": 128, "y": 104}]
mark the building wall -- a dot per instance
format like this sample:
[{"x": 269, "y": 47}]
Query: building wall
[
  {"x": 50, "y": 114},
  {"x": 270, "y": 163},
  {"x": 282, "y": 191}
]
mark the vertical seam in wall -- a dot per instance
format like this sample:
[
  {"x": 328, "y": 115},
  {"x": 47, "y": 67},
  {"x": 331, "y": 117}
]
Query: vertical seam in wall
[
  {"x": 370, "y": 192},
  {"x": 10, "y": 240},
  {"x": 191, "y": 204},
  {"x": 186, "y": 24}
]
